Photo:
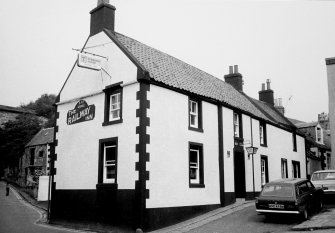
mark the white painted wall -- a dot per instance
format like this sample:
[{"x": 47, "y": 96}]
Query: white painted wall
[
  {"x": 118, "y": 68},
  {"x": 43, "y": 187},
  {"x": 77, "y": 150},
  {"x": 228, "y": 148},
  {"x": 169, "y": 157}
]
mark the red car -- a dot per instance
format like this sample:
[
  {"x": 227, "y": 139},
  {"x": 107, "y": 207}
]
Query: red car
[{"x": 289, "y": 196}]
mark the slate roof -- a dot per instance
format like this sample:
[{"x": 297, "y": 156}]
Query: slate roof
[
  {"x": 44, "y": 136},
  {"x": 175, "y": 73},
  {"x": 272, "y": 113}
]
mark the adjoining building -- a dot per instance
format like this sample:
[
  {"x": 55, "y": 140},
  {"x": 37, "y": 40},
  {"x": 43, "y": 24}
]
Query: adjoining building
[
  {"x": 330, "y": 62},
  {"x": 34, "y": 164},
  {"x": 145, "y": 139}
]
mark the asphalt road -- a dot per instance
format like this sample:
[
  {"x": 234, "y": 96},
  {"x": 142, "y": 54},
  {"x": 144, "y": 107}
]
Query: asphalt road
[
  {"x": 16, "y": 216},
  {"x": 247, "y": 220}
]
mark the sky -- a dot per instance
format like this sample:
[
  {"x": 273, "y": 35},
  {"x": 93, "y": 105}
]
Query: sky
[{"x": 284, "y": 41}]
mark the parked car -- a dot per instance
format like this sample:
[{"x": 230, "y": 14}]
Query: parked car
[
  {"x": 289, "y": 196},
  {"x": 324, "y": 179}
]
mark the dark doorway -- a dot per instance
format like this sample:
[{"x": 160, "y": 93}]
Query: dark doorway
[{"x": 239, "y": 173}]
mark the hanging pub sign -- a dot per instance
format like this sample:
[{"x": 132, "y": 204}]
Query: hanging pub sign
[
  {"x": 89, "y": 61},
  {"x": 81, "y": 112}
]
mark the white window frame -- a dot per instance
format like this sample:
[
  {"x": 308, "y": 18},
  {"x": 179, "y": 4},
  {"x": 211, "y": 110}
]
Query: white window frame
[
  {"x": 194, "y": 113},
  {"x": 115, "y": 107},
  {"x": 236, "y": 125},
  {"x": 261, "y": 134},
  {"x": 195, "y": 165},
  {"x": 263, "y": 171},
  {"x": 107, "y": 164},
  {"x": 284, "y": 172}
]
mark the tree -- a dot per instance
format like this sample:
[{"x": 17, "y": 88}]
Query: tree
[
  {"x": 43, "y": 106},
  {"x": 14, "y": 136}
]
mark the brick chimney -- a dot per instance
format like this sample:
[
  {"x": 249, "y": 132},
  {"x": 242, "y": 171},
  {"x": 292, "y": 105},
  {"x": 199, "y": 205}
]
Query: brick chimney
[
  {"x": 234, "y": 78},
  {"x": 103, "y": 16},
  {"x": 279, "y": 105},
  {"x": 266, "y": 95}
]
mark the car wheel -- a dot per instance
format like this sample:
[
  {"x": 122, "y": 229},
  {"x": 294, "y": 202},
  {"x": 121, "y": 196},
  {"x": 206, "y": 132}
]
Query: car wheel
[
  {"x": 320, "y": 205},
  {"x": 305, "y": 214}
]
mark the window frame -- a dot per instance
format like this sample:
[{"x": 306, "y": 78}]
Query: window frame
[
  {"x": 266, "y": 169},
  {"x": 294, "y": 141},
  {"x": 262, "y": 132},
  {"x": 198, "y": 115},
  {"x": 110, "y": 91},
  {"x": 103, "y": 144},
  {"x": 193, "y": 146},
  {"x": 294, "y": 164},
  {"x": 284, "y": 165}
]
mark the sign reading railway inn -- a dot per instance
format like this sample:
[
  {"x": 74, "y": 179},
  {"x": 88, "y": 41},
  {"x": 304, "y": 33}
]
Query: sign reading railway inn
[{"x": 81, "y": 112}]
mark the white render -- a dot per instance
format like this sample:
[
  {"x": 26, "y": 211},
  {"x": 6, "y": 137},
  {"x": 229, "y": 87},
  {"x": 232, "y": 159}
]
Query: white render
[
  {"x": 43, "y": 188},
  {"x": 169, "y": 156},
  {"x": 77, "y": 150}
]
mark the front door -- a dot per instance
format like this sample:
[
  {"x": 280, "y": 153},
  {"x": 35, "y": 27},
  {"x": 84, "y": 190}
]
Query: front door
[{"x": 239, "y": 174}]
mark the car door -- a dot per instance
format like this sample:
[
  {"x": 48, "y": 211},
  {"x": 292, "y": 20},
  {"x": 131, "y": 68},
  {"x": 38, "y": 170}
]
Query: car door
[{"x": 315, "y": 198}]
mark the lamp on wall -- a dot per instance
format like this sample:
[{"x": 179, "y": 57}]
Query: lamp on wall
[{"x": 251, "y": 150}]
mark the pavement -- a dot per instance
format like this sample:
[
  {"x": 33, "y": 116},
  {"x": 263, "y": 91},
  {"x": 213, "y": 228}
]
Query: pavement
[{"x": 323, "y": 220}]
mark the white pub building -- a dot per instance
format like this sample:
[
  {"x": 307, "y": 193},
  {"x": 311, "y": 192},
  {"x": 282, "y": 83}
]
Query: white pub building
[{"x": 145, "y": 139}]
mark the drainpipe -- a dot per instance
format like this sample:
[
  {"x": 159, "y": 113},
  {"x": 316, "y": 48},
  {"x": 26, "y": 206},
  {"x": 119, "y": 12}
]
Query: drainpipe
[{"x": 253, "y": 170}]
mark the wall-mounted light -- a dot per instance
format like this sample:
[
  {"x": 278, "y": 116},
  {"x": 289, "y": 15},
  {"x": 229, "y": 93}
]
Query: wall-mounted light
[{"x": 251, "y": 150}]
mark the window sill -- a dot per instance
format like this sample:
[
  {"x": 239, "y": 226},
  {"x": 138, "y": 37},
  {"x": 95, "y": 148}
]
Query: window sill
[
  {"x": 196, "y": 129},
  {"x": 106, "y": 185},
  {"x": 264, "y": 145},
  {"x": 197, "y": 185},
  {"x": 112, "y": 122}
]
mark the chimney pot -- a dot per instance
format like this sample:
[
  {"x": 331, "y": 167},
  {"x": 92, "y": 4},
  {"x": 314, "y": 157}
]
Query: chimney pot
[
  {"x": 263, "y": 86},
  {"x": 102, "y": 2},
  {"x": 231, "y": 69},
  {"x": 268, "y": 84},
  {"x": 235, "y": 69}
]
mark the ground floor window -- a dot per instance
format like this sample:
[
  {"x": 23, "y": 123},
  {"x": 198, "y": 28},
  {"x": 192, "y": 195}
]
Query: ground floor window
[
  {"x": 108, "y": 161},
  {"x": 284, "y": 173},
  {"x": 295, "y": 169},
  {"x": 196, "y": 168},
  {"x": 264, "y": 170}
]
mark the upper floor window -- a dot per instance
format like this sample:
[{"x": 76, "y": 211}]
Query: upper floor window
[
  {"x": 32, "y": 156},
  {"x": 237, "y": 125},
  {"x": 196, "y": 169},
  {"x": 113, "y": 104},
  {"x": 319, "y": 135},
  {"x": 294, "y": 141},
  {"x": 195, "y": 115},
  {"x": 262, "y": 133},
  {"x": 284, "y": 173}
]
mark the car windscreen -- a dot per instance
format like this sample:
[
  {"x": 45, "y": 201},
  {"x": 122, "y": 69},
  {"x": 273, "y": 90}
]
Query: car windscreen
[
  {"x": 278, "y": 190},
  {"x": 323, "y": 176}
]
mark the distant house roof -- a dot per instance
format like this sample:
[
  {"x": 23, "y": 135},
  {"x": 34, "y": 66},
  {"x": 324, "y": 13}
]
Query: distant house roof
[
  {"x": 307, "y": 124},
  {"x": 295, "y": 121},
  {"x": 44, "y": 136},
  {"x": 177, "y": 74},
  {"x": 5, "y": 108}
]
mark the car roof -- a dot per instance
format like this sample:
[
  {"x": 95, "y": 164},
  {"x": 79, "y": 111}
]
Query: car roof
[
  {"x": 322, "y": 171},
  {"x": 288, "y": 181}
]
